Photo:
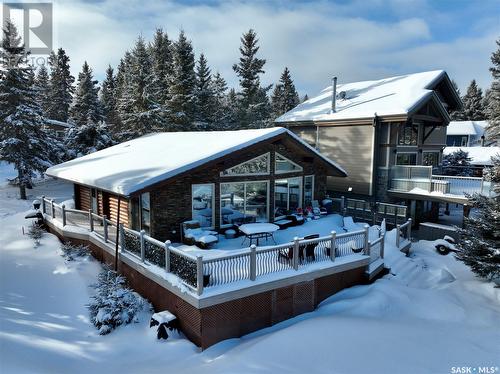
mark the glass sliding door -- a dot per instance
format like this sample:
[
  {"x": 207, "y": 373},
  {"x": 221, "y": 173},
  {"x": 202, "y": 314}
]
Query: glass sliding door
[
  {"x": 287, "y": 194},
  {"x": 243, "y": 202},
  {"x": 202, "y": 202}
]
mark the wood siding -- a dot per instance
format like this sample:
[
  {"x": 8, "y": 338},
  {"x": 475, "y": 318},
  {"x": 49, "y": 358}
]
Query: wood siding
[
  {"x": 113, "y": 209},
  {"x": 352, "y": 148},
  {"x": 82, "y": 197}
]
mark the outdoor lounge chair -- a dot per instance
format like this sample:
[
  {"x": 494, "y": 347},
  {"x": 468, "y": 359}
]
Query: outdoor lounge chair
[{"x": 193, "y": 234}]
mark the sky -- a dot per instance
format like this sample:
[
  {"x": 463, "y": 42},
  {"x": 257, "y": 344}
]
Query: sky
[{"x": 353, "y": 40}]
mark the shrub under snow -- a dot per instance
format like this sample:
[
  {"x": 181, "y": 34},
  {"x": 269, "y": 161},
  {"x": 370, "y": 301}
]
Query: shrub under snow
[
  {"x": 114, "y": 303},
  {"x": 35, "y": 232},
  {"x": 71, "y": 251}
]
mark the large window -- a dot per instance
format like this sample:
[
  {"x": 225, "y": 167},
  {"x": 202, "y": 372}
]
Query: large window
[
  {"x": 457, "y": 140},
  {"x": 202, "y": 200},
  {"x": 145, "y": 213},
  {"x": 284, "y": 165},
  {"x": 406, "y": 158},
  {"x": 256, "y": 166},
  {"x": 308, "y": 190},
  {"x": 407, "y": 134},
  {"x": 287, "y": 194},
  {"x": 430, "y": 158},
  {"x": 243, "y": 202}
]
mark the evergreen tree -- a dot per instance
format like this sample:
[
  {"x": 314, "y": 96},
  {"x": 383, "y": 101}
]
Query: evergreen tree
[
  {"x": 221, "y": 109},
  {"x": 253, "y": 104},
  {"x": 457, "y": 163},
  {"x": 233, "y": 110},
  {"x": 43, "y": 90},
  {"x": 22, "y": 140},
  {"x": 480, "y": 238},
  {"x": 182, "y": 101},
  {"x": 61, "y": 86},
  {"x": 473, "y": 109},
  {"x": 86, "y": 107},
  {"x": 285, "y": 96},
  {"x": 108, "y": 99},
  {"x": 161, "y": 52},
  {"x": 204, "y": 94},
  {"x": 87, "y": 138},
  {"x": 456, "y": 114},
  {"x": 305, "y": 98},
  {"x": 139, "y": 113},
  {"x": 494, "y": 97}
]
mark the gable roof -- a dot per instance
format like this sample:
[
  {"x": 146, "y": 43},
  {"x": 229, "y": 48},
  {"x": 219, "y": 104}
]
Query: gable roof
[
  {"x": 400, "y": 95},
  {"x": 476, "y": 128},
  {"x": 136, "y": 164}
]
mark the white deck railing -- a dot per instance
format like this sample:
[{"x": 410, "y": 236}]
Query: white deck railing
[{"x": 198, "y": 272}]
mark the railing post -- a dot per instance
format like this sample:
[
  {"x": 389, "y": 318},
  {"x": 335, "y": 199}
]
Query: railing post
[
  {"x": 253, "y": 262},
  {"x": 295, "y": 258},
  {"x": 395, "y": 216},
  {"x": 43, "y": 204},
  {"x": 199, "y": 274},
  {"x": 105, "y": 226},
  {"x": 368, "y": 249},
  {"x": 143, "y": 246},
  {"x": 53, "y": 210},
  {"x": 63, "y": 207},
  {"x": 397, "y": 236},
  {"x": 382, "y": 246},
  {"x": 374, "y": 217},
  {"x": 408, "y": 233},
  {"x": 367, "y": 242},
  {"x": 121, "y": 235},
  {"x": 167, "y": 256},
  {"x": 91, "y": 221},
  {"x": 333, "y": 245}
]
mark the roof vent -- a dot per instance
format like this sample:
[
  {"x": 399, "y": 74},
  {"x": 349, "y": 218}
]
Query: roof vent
[
  {"x": 342, "y": 95},
  {"x": 334, "y": 93}
]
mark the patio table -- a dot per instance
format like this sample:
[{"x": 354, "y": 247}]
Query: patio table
[{"x": 256, "y": 231}]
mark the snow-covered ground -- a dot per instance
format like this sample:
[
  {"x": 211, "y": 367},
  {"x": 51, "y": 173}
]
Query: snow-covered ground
[{"x": 430, "y": 315}]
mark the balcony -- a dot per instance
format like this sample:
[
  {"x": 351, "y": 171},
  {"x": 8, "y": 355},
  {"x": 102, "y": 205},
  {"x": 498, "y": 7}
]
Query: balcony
[{"x": 420, "y": 181}]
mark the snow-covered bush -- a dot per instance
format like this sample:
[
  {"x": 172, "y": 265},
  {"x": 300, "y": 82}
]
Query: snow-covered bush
[
  {"x": 35, "y": 232},
  {"x": 71, "y": 251},
  {"x": 114, "y": 303}
]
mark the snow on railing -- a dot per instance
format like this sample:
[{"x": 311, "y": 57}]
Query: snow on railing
[
  {"x": 249, "y": 263},
  {"x": 403, "y": 232}
]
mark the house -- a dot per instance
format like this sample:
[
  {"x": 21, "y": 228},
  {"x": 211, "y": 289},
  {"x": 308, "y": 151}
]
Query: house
[
  {"x": 56, "y": 128},
  {"x": 469, "y": 134},
  {"x": 388, "y": 135},
  {"x": 219, "y": 178}
]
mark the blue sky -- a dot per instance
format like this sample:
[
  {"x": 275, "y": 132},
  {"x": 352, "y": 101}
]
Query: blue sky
[{"x": 355, "y": 40}]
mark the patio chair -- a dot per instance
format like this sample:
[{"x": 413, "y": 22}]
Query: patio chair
[
  {"x": 318, "y": 210},
  {"x": 309, "y": 248},
  {"x": 193, "y": 234}
]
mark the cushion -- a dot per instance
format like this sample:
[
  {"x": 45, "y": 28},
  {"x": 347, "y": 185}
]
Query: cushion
[{"x": 207, "y": 239}]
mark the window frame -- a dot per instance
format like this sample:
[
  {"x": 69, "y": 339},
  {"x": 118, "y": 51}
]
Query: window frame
[
  {"x": 144, "y": 227},
  {"x": 301, "y": 192},
  {"x": 438, "y": 157},
  {"x": 268, "y": 167},
  {"x": 268, "y": 203},
  {"x": 304, "y": 189},
  {"x": 408, "y": 153},
  {"x": 276, "y": 154},
  {"x": 213, "y": 202},
  {"x": 405, "y": 126}
]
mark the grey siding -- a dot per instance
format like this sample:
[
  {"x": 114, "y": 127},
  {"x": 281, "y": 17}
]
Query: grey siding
[{"x": 352, "y": 148}]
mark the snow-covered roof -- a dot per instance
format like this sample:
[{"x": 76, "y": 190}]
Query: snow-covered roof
[
  {"x": 385, "y": 97},
  {"x": 134, "y": 165},
  {"x": 478, "y": 155},
  {"x": 476, "y": 128}
]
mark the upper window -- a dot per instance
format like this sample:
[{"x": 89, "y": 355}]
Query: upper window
[
  {"x": 406, "y": 159},
  {"x": 430, "y": 158},
  {"x": 407, "y": 135},
  {"x": 256, "y": 166},
  {"x": 145, "y": 213},
  {"x": 284, "y": 165},
  {"x": 203, "y": 196}
]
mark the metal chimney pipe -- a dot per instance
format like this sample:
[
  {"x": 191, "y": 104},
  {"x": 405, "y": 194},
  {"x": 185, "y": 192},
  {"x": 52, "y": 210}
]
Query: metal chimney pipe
[{"x": 334, "y": 94}]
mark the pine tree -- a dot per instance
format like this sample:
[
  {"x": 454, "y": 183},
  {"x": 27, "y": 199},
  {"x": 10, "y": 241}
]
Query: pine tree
[
  {"x": 22, "y": 140},
  {"x": 480, "y": 238},
  {"x": 494, "y": 97},
  {"x": 182, "y": 101},
  {"x": 161, "y": 52},
  {"x": 221, "y": 109},
  {"x": 253, "y": 103},
  {"x": 87, "y": 138},
  {"x": 305, "y": 98},
  {"x": 456, "y": 114},
  {"x": 61, "y": 86},
  {"x": 285, "y": 96},
  {"x": 43, "y": 90},
  {"x": 233, "y": 110},
  {"x": 457, "y": 163},
  {"x": 86, "y": 107},
  {"x": 473, "y": 103},
  {"x": 204, "y": 94},
  {"x": 108, "y": 99},
  {"x": 139, "y": 112}
]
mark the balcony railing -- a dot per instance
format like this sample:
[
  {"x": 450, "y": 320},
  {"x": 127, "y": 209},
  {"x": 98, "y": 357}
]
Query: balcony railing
[{"x": 419, "y": 179}]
